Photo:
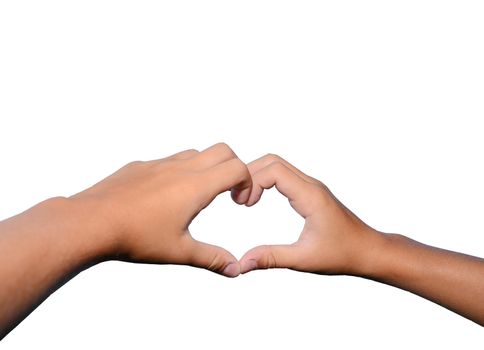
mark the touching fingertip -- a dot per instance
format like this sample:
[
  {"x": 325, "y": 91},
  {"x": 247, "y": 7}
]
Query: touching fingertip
[
  {"x": 232, "y": 270},
  {"x": 240, "y": 196},
  {"x": 235, "y": 193},
  {"x": 252, "y": 201},
  {"x": 244, "y": 195},
  {"x": 248, "y": 265}
]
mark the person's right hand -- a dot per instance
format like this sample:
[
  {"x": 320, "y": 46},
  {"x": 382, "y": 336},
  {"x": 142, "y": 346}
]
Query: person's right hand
[
  {"x": 148, "y": 206},
  {"x": 333, "y": 241}
]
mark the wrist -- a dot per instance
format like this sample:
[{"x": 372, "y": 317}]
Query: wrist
[
  {"x": 374, "y": 254},
  {"x": 81, "y": 226}
]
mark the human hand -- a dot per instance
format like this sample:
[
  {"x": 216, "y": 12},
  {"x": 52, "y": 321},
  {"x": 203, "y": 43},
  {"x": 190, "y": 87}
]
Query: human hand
[
  {"x": 142, "y": 213},
  {"x": 333, "y": 240},
  {"x": 148, "y": 206}
]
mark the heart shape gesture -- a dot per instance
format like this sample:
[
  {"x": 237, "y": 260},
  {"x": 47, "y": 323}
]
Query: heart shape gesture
[
  {"x": 142, "y": 213},
  {"x": 148, "y": 207}
]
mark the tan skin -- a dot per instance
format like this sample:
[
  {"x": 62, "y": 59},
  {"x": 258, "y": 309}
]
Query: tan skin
[
  {"x": 142, "y": 213},
  {"x": 335, "y": 241}
]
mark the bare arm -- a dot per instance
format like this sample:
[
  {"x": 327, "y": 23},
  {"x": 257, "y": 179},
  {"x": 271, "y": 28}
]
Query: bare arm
[
  {"x": 335, "y": 241},
  {"x": 141, "y": 213}
]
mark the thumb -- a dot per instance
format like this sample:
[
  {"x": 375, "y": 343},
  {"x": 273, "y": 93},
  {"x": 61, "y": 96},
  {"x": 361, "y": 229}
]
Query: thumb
[
  {"x": 213, "y": 258},
  {"x": 268, "y": 257}
]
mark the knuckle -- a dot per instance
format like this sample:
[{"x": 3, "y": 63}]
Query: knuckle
[
  {"x": 192, "y": 151},
  {"x": 185, "y": 154},
  {"x": 319, "y": 195},
  {"x": 272, "y": 157},
  {"x": 276, "y": 166},
  {"x": 224, "y": 149},
  {"x": 320, "y": 184},
  {"x": 222, "y": 146},
  {"x": 133, "y": 164}
]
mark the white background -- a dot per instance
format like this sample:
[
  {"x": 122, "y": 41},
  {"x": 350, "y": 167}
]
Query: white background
[{"x": 381, "y": 100}]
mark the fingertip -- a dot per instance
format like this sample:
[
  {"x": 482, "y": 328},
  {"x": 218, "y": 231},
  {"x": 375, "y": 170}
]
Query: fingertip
[
  {"x": 248, "y": 265},
  {"x": 212, "y": 258},
  {"x": 249, "y": 203},
  {"x": 240, "y": 196},
  {"x": 245, "y": 195},
  {"x": 268, "y": 257},
  {"x": 232, "y": 270},
  {"x": 235, "y": 193},
  {"x": 253, "y": 199}
]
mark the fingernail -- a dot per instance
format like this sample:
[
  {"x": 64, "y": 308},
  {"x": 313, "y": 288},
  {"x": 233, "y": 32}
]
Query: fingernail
[
  {"x": 232, "y": 270},
  {"x": 248, "y": 265}
]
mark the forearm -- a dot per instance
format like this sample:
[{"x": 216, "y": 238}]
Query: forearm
[
  {"x": 40, "y": 249},
  {"x": 453, "y": 280}
]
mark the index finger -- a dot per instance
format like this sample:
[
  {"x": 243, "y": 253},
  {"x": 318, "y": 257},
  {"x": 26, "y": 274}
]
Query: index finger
[
  {"x": 271, "y": 158},
  {"x": 229, "y": 175},
  {"x": 288, "y": 183}
]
